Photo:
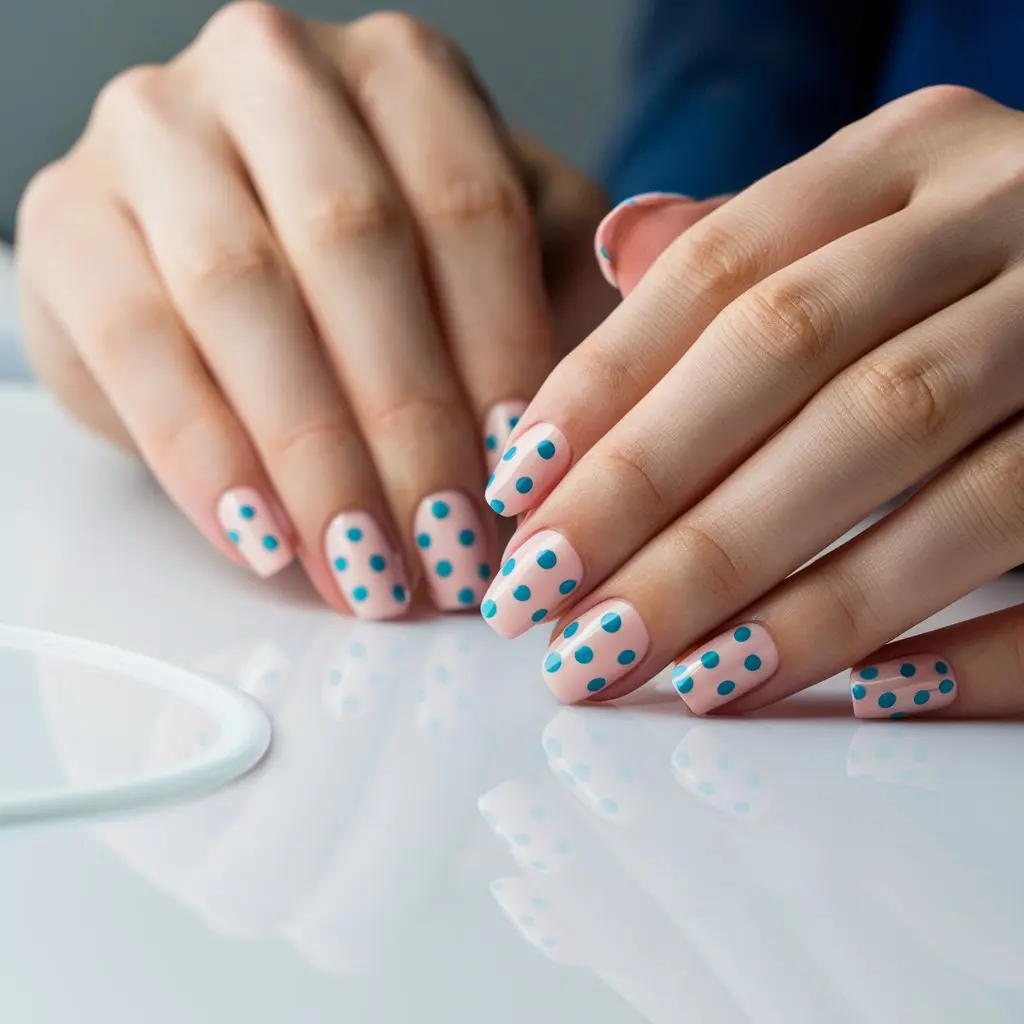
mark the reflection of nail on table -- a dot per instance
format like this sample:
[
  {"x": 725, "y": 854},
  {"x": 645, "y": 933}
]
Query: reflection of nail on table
[{"x": 432, "y": 839}]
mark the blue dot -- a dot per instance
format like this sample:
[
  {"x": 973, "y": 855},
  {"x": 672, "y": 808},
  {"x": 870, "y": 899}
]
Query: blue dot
[
  {"x": 898, "y": 714},
  {"x": 553, "y": 746},
  {"x": 887, "y": 699},
  {"x": 444, "y": 568},
  {"x": 547, "y": 559},
  {"x": 507, "y": 568},
  {"x": 465, "y": 595},
  {"x": 341, "y": 564},
  {"x": 611, "y": 622},
  {"x": 270, "y": 542},
  {"x": 922, "y": 697},
  {"x": 596, "y": 684},
  {"x": 546, "y": 449},
  {"x": 570, "y": 630},
  {"x": 945, "y": 686},
  {"x": 627, "y": 657},
  {"x": 678, "y": 672},
  {"x": 510, "y": 454},
  {"x": 566, "y": 586},
  {"x": 859, "y": 692},
  {"x": 707, "y": 788},
  {"x": 725, "y": 687},
  {"x": 378, "y": 563},
  {"x": 741, "y": 807},
  {"x": 398, "y": 592},
  {"x": 247, "y": 512},
  {"x": 490, "y": 480},
  {"x": 521, "y": 593},
  {"x": 423, "y": 540},
  {"x": 360, "y": 594},
  {"x": 354, "y": 534},
  {"x": 709, "y": 659},
  {"x": 490, "y": 442},
  {"x": 489, "y": 609},
  {"x": 608, "y": 805},
  {"x": 869, "y": 673},
  {"x": 584, "y": 655},
  {"x": 685, "y": 685},
  {"x": 522, "y": 839},
  {"x": 498, "y": 506},
  {"x": 553, "y": 662},
  {"x": 751, "y": 662},
  {"x": 234, "y": 537},
  {"x": 484, "y": 571},
  {"x": 907, "y": 670},
  {"x": 539, "y": 615},
  {"x": 466, "y": 538},
  {"x": 513, "y": 422},
  {"x": 605, "y": 254},
  {"x": 942, "y": 668},
  {"x": 742, "y": 635},
  {"x": 440, "y": 509},
  {"x": 524, "y": 485}
]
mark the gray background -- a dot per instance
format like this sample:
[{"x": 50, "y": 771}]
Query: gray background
[{"x": 553, "y": 65}]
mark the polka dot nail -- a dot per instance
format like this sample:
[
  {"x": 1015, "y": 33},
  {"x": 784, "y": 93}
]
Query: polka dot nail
[
  {"x": 896, "y": 756},
  {"x": 500, "y": 422},
  {"x": 366, "y": 566},
  {"x": 529, "y": 826},
  {"x": 725, "y": 668},
  {"x": 595, "y": 650},
  {"x": 539, "y": 577},
  {"x": 895, "y": 689},
  {"x": 720, "y": 774},
  {"x": 528, "y": 469},
  {"x": 452, "y": 546},
  {"x": 530, "y": 912},
  {"x": 249, "y": 524}
]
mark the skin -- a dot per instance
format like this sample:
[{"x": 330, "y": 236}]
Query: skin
[{"x": 307, "y": 259}]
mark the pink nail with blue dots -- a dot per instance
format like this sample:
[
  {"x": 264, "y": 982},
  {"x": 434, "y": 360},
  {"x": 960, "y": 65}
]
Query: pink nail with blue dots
[
  {"x": 366, "y": 566},
  {"x": 453, "y": 549},
  {"x": 528, "y": 470},
  {"x": 907, "y": 686},
  {"x": 246, "y": 518}
]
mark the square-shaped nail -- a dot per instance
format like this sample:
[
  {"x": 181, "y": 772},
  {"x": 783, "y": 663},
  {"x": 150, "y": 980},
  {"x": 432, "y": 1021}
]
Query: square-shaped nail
[
  {"x": 528, "y": 470},
  {"x": 595, "y": 650},
  {"x": 534, "y": 581},
  {"x": 499, "y": 423},
  {"x": 250, "y": 525},
  {"x": 908, "y": 686},
  {"x": 731, "y": 664},
  {"x": 366, "y": 566},
  {"x": 453, "y": 550}
]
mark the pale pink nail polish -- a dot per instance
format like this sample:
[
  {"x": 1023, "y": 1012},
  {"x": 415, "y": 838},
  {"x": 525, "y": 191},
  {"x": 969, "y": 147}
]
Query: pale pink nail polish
[
  {"x": 528, "y": 470},
  {"x": 726, "y": 667},
  {"x": 595, "y": 650},
  {"x": 247, "y": 520},
  {"x": 539, "y": 577},
  {"x": 367, "y": 567},
  {"x": 453, "y": 550},
  {"x": 500, "y": 422},
  {"x": 909, "y": 686}
]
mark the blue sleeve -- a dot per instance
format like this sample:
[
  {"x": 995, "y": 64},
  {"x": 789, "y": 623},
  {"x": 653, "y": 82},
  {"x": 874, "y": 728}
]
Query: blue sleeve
[{"x": 721, "y": 92}]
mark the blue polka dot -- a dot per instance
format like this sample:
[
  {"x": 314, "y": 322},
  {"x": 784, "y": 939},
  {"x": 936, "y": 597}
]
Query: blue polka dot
[
  {"x": 571, "y": 629},
  {"x": 945, "y": 686},
  {"x": 234, "y": 537},
  {"x": 521, "y": 593},
  {"x": 522, "y": 839},
  {"x": 611, "y": 622},
  {"x": 685, "y": 685},
  {"x": 490, "y": 480},
  {"x": 709, "y": 659},
  {"x": 553, "y": 662},
  {"x": 466, "y": 538},
  {"x": 742, "y": 635},
  {"x": 489, "y": 609},
  {"x": 341, "y": 564},
  {"x": 922, "y": 697},
  {"x": 596, "y": 684},
  {"x": 679, "y": 672},
  {"x": 751, "y": 662},
  {"x": 465, "y": 595},
  {"x": 440, "y": 509},
  {"x": 584, "y": 655},
  {"x": 247, "y": 512},
  {"x": 566, "y": 586},
  {"x": 707, "y": 788},
  {"x": 497, "y": 505},
  {"x": 907, "y": 670},
  {"x": 513, "y": 422},
  {"x": 608, "y": 805},
  {"x": 484, "y": 571},
  {"x": 423, "y": 540},
  {"x": 627, "y": 657},
  {"x": 444, "y": 568},
  {"x": 354, "y": 534},
  {"x": 360, "y": 594},
  {"x": 887, "y": 699},
  {"x": 270, "y": 542},
  {"x": 547, "y": 559},
  {"x": 539, "y": 615},
  {"x": 490, "y": 442},
  {"x": 398, "y": 593},
  {"x": 546, "y": 449},
  {"x": 859, "y": 692},
  {"x": 524, "y": 485},
  {"x": 868, "y": 673},
  {"x": 553, "y": 746},
  {"x": 898, "y": 714},
  {"x": 741, "y": 807},
  {"x": 510, "y": 454},
  {"x": 725, "y": 687},
  {"x": 942, "y": 668},
  {"x": 378, "y": 563},
  {"x": 605, "y": 254}
]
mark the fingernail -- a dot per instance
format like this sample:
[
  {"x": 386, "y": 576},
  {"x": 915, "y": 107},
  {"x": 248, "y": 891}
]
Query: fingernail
[
  {"x": 534, "y": 582},
  {"x": 528, "y": 470},
  {"x": 453, "y": 550},
  {"x": 253, "y": 529},
  {"x": 725, "y": 668},
  {"x": 720, "y": 774},
  {"x": 366, "y": 567},
  {"x": 896, "y": 756},
  {"x": 596, "y": 649},
  {"x": 895, "y": 689},
  {"x": 532, "y": 916},
  {"x": 500, "y": 422},
  {"x": 529, "y": 825}
]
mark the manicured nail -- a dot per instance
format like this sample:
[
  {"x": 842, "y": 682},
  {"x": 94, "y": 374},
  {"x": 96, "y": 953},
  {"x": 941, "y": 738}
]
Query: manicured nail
[
  {"x": 500, "y": 422},
  {"x": 366, "y": 567},
  {"x": 608, "y": 238},
  {"x": 720, "y": 774},
  {"x": 725, "y": 668},
  {"x": 453, "y": 550},
  {"x": 895, "y": 689},
  {"x": 896, "y": 756},
  {"x": 529, "y": 825},
  {"x": 251, "y": 527},
  {"x": 539, "y": 577},
  {"x": 531, "y": 914},
  {"x": 528, "y": 470},
  {"x": 602, "y": 645}
]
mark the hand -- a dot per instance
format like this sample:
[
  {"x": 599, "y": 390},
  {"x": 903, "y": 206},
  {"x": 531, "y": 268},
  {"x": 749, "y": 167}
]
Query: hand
[
  {"x": 299, "y": 269},
  {"x": 825, "y": 340}
]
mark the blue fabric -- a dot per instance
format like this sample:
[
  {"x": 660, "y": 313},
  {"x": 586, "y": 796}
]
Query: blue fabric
[{"x": 723, "y": 91}]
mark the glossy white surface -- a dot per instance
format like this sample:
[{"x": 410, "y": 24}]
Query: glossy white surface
[{"x": 432, "y": 839}]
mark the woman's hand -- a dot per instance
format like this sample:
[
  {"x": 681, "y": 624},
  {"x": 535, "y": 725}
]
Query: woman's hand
[
  {"x": 825, "y": 340},
  {"x": 300, "y": 269}
]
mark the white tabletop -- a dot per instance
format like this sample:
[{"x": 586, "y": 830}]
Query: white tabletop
[{"x": 432, "y": 839}]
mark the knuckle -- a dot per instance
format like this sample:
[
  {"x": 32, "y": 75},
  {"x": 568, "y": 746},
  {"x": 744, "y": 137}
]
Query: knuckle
[
  {"x": 43, "y": 198},
  {"x": 180, "y": 445},
  {"x": 603, "y": 373},
  {"x": 123, "y": 327},
  {"x": 139, "y": 93},
  {"x": 312, "y": 440},
  {"x": 350, "y": 215},
  {"x": 936, "y": 102},
  {"x": 996, "y": 478},
  {"x": 716, "y": 260},
  {"x": 408, "y": 416},
  {"x": 709, "y": 564},
  {"x": 633, "y": 471},
  {"x": 466, "y": 201},
  {"x": 395, "y": 34},
  {"x": 213, "y": 265},
  {"x": 245, "y": 24},
  {"x": 853, "y": 611}
]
